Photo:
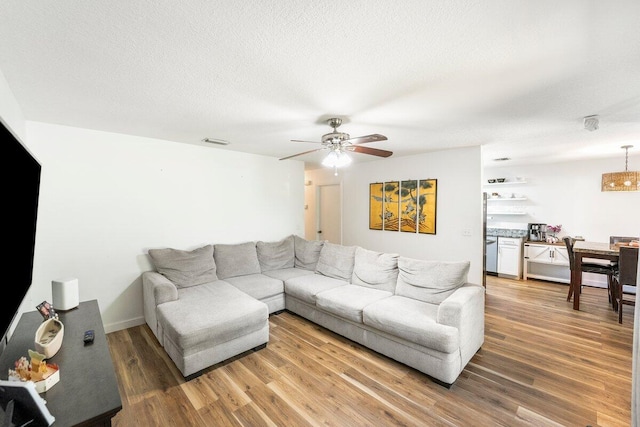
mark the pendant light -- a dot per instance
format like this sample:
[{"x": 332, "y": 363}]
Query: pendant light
[{"x": 622, "y": 181}]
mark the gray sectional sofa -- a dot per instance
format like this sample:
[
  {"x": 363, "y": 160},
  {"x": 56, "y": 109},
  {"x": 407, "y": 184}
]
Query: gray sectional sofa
[{"x": 212, "y": 303}]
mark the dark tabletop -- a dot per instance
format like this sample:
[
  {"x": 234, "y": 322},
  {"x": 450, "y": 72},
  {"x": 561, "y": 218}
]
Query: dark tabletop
[{"x": 88, "y": 389}]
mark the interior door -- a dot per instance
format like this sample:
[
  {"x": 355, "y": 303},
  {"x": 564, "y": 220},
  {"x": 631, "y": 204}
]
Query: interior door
[{"x": 329, "y": 213}]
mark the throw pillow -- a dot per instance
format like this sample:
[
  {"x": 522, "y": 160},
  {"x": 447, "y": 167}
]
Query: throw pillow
[
  {"x": 376, "y": 270},
  {"x": 276, "y": 255},
  {"x": 237, "y": 259},
  {"x": 185, "y": 268},
  {"x": 336, "y": 261},
  {"x": 430, "y": 281},
  {"x": 307, "y": 252}
]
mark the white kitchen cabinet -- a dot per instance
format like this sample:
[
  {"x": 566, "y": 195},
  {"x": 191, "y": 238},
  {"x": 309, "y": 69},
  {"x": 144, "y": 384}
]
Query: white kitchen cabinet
[
  {"x": 510, "y": 256},
  {"x": 546, "y": 261}
]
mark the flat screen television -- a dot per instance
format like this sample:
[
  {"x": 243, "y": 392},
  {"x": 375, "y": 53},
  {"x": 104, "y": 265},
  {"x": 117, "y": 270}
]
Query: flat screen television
[{"x": 20, "y": 195}]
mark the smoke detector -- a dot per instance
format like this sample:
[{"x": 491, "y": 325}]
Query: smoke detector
[{"x": 591, "y": 123}]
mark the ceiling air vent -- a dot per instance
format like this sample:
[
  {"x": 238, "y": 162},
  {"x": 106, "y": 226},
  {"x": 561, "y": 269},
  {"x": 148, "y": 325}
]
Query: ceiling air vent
[{"x": 216, "y": 141}]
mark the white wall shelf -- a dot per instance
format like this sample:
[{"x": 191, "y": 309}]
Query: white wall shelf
[
  {"x": 506, "y": 213},
  {"x": 505, "y": 199},
  {"x": 496, "y": 184}
]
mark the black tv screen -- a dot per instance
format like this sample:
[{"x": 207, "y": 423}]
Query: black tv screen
[{"x": 20, "y": 193}]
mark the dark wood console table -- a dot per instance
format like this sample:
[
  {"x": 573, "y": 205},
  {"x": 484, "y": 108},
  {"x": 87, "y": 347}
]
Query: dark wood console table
[{"x": 87, "y": 394}]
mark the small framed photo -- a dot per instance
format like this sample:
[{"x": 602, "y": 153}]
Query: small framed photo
[{"x": 46, "y": 310}]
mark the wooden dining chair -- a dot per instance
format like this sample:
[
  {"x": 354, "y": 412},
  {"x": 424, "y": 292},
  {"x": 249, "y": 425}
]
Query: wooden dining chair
[
  {"x": 627, "y": 275},
  {"x": 590, "y": 267}
]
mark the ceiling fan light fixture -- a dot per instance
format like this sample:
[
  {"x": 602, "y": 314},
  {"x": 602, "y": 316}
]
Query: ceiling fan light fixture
[
  {"x": 622, "y": 181},
  {"x": 336, "y": 159}
]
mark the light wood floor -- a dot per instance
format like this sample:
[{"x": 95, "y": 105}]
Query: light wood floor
[{"x": 542, "y": 364}]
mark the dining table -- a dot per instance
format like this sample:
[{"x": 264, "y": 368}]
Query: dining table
[{"x": 585, "y": 249}]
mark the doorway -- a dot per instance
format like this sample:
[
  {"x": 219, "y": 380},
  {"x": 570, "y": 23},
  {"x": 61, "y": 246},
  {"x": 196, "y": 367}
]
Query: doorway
[{"x": 329, "y": 224}]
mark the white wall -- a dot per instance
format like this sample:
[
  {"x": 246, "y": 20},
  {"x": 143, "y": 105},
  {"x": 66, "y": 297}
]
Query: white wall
[
  {"x": 459, "y": 205},
  {"x": 107, "y": 198}
]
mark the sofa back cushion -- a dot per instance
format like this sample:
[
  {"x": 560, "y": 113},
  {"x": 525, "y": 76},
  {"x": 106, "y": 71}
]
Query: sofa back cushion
[
  {"x": 336, "y": 261},
  {"x": 307, "y": 252},
  {"x": 276, "y": 255},
  {"x": 185, "y": 268},
  {"x": 430, "y": 281},
  {"x": 376, "y": 270},
  {"x": 238, "y": 259}
]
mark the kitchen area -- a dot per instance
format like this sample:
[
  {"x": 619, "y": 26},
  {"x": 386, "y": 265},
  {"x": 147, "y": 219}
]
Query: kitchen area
[
  {"x": 566, "y": 193},
  {"x": 517, "y": 249}
]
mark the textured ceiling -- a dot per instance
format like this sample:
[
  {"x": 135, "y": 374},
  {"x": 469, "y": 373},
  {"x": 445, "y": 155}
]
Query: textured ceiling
[{"x": 514, "y": 77}]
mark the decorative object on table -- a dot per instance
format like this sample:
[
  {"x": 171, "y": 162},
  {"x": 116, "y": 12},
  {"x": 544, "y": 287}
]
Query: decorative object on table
[
  {"x": 491, "y": 181},
  {"x": 44, "y": 375},
  {"x": 501, "y": 180},
  {"x": 65, "y": 293},
  {"x": 46, "y": 310},
  {"x": 417, "y": 198},
  {"x": 49, "y": 337},
  {"x": 622, "y": 181},
  {"x": 552, "y": 233}
]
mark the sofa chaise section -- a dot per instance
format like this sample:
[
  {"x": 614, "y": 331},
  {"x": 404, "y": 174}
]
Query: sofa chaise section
[{"x": 210, "y": 323}]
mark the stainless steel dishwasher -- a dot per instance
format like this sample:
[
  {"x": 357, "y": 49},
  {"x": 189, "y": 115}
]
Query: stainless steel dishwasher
[{"x": 491, "y": 244}]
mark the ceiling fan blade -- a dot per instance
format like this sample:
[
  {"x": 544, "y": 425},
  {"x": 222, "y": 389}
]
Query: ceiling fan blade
[
  {"x": 306, "y": 152},
  {"x": 367, "y": 138},
  {"x": 369, "y": 150},
  {"x": 311, "y": 142}
]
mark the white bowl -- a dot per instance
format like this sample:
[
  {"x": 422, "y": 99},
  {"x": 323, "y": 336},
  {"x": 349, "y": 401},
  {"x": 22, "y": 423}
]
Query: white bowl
[{"x": 49, "y": 337}]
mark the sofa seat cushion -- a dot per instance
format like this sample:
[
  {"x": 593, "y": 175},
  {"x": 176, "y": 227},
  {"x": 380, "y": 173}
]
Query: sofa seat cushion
[
  {"x": 210, "y": 314},
  {"x": 287, "y": 273},
  {"x": 349, "y": 301},
  {"x": 257, "y": 285},
  {"x": 412, "y": 320},
  {"x": 306, "y": 287}
]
